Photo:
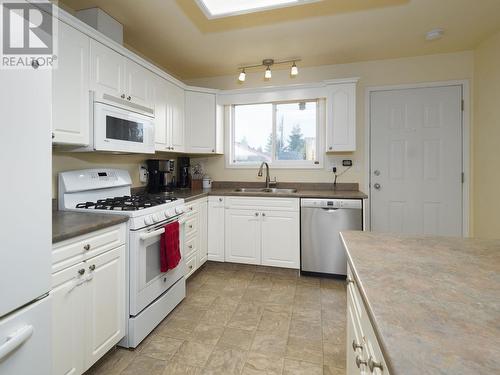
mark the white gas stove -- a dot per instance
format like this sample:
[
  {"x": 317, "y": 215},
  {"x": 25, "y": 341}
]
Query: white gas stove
[
  {"x": 152, "y": 294},
  {"x": 109, "y": 191}
]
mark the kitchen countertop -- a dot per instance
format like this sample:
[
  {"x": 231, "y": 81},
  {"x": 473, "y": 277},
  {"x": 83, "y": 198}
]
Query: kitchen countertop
[
  {"x": 434, "y": 303},
  {"x": 68, "y": 224},
  {"x": 190, "y": 195}
]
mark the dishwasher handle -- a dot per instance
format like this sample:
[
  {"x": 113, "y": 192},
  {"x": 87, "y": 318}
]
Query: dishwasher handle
[{"x": 331, "y": 204}]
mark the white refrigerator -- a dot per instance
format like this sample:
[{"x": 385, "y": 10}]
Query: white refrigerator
[{"x": 25, "y": 221}]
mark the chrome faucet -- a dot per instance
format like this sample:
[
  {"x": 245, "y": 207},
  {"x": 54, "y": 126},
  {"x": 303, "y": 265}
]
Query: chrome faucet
[{"x": 268, "y": 179}]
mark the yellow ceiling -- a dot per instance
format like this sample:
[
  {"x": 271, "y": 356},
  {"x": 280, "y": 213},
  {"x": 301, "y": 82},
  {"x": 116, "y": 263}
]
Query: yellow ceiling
[{"x": 177, "y": 36}]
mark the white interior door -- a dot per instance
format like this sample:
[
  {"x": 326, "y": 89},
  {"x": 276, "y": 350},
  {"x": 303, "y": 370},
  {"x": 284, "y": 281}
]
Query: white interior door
[{"x": 416, "y": 161}]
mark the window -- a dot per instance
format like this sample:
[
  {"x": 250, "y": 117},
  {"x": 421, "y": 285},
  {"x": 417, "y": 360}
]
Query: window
[{"x": 284, "y": 134}]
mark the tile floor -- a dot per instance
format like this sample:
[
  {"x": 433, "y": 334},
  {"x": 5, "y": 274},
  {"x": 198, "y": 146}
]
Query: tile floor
[{"x": 240, "y": 319}]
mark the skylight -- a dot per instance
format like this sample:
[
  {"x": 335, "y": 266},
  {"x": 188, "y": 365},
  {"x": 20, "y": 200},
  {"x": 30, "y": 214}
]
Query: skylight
[{"x": 225, "y": 8}]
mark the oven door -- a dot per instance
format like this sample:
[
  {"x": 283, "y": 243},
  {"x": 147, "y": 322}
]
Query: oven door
[
  {"x": 147, "y": 282},
  {"x": 117, "y": 129}
]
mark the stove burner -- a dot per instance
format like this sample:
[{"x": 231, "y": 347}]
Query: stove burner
[{"x": 127, "y": 203}]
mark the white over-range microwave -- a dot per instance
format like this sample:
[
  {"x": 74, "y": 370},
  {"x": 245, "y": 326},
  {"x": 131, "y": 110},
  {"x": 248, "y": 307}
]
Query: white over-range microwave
[{"x": 119, "y": 125}]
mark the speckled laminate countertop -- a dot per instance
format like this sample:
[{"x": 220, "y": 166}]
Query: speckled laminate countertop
[
  {"x": 434, "y": 302},
  {"x": 190, "y": 195},
  {"x": 67, "y": 224}
]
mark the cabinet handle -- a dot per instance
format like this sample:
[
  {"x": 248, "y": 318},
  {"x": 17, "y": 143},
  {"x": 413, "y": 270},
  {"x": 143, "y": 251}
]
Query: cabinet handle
[
  {"x": 372, "y": 364},
  {"x": 190, "y": 226},
  {"x": 92, "y": 267},
  {"x": 355, "y": 345},
  {"x": 81, "y": 271},
  {"x": 86, "y": 247},
  {"x": 348, "y": 280},
  {"x": 220, "y": 199},
  {"x": 213, "y": 150},
  {"x": 191, "y": 267},
  {"x": 256, "y": 214},
  {"x": 360, "y": 361},
  {"x": 53, "y": 135},
  {"x": 129, "y": 97},
  {"x": 190, "y": 246},
  {"x": 263, "y": 214},
  {"x": 330, "y": 148},
  {"x": 35, "y": 64},
  {"x": 122, "y": 96}
]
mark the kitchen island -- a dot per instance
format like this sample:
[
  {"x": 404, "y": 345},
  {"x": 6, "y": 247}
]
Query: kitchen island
[{"x": 433, "y": 304}]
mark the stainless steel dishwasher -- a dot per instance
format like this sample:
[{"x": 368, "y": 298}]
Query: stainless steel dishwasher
[{"x": 321, "y": 221}]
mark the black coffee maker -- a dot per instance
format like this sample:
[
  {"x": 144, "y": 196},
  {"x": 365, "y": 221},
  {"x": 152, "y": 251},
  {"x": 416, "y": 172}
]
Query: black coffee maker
[
  {"x": 183, "y": 179},
  {"x": 161, "y": 175}
]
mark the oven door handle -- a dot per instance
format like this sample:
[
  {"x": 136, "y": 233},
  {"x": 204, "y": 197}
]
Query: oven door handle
[{"x": 152, "y": 234}]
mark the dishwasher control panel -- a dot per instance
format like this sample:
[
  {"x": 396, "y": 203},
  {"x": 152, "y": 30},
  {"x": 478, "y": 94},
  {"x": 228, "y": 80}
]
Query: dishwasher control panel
[{"x": 331, "y": 203}]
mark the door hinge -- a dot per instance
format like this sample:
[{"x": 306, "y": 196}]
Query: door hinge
[
  {"x": 463, "y": 177},
  {"x": 462, "y": 105}
]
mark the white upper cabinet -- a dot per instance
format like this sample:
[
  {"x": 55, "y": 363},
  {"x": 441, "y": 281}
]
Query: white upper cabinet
[
  {"x": 114, "y": 74},
  {"x": 70, "y": 92},
  {"x": 201, "y": 122},
  {"x": 175, "y": 119},
  {"x": 160, "y": 92},
  {"x": 107, "y": 70},
  {"x": 341, "y": 117}
]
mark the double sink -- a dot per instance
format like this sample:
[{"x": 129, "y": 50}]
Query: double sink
[{"x": 265, "y": 190}]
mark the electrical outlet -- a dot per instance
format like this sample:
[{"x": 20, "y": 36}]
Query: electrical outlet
[
  {"x": 347, "y": 163},
  {"x": 143, "y": 174}
]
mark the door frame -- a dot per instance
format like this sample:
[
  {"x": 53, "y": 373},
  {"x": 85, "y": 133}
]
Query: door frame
[{"x": 466, "y": 185}]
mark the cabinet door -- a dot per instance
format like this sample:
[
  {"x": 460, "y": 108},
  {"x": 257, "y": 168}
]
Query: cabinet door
[
  {"x": 341, "y": 115},
  {"x": 107, "y": 70},
  {"x": 202, "y": 232},
  {"x": 70, "y": 90},
  {"x": 68, "y": 320},
  {"x": 242, "y": 236},
  {"x": 200, "y": 122},
  {"x": 215, "y": 245},
  {"x": 106, "y": 303},
  {"x": 280, "y": 239},
  {"x": 160, "y": 105},
  {"x": 176, "y": 117},
  {"x": 139, "y": 82}
]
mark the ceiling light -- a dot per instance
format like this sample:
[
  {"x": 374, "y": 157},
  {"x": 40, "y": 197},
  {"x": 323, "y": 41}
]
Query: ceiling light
[
  {"x": 434, "y": 34},
  {"x": 294, "y": 70},
  {"x": 268, "y": 74},
  {"x": 242, "y": 76},
  {"x": 225, "y": 8}
]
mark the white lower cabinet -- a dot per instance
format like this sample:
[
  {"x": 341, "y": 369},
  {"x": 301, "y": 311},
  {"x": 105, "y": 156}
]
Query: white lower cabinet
[
  {"x": 88, "y": 310},
  {"x": 364, "y": 355},
  {"x": 194, "y": 246},
  {"x": 215, "y": 245},
  {"x": 265, "y": 232}
]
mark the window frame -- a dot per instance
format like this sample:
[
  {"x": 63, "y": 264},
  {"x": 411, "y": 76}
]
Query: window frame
[{"x": 274, "y": 163}]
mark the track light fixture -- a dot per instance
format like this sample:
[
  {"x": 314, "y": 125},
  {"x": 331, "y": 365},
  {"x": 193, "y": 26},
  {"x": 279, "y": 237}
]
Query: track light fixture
[{"x": 294, "y": 71}]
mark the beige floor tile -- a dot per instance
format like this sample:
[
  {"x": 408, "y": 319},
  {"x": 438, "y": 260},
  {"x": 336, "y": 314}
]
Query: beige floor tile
[
  {"x": 161, "y": 347},
  {"x": 278, "y": 307},
  {"x": 293, "y": 367},
  {"x": 177, "y": 368},
  {"x": 206, "y": 333},
  {"x": 331, "y": 370},
  {"x": 262, "y": 364},
  {"x": 309, "y": 350},
  {"x": 218, "y": 317},
  {"x": 188, "y": 312},
  {"x": 307, "y": 314},
  {"x": 304, "y": 329},
  {"x": 247, "y": 316},
  {"x": 237, "y": 338},
  {"x": 193, "y": 353},
  {"x": 145, "y": 365},
  {"x": 224, "y": 360},
  {"x": 176, "y": 328},
  {"x": 270, "y": 343},
  {"x": 114, "y": 362},
  {"x": 274, "y": 321}
]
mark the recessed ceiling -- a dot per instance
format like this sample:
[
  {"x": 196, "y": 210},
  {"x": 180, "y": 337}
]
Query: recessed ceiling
[
  {"x": 179, "y": 37},
  {"x": 223, "y": 8}
]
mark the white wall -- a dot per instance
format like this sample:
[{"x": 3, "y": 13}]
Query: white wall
[{"x": 443, "y": 67}]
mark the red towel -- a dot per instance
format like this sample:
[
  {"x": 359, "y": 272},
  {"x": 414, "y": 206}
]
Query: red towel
[{"x": 170, "y": 253}]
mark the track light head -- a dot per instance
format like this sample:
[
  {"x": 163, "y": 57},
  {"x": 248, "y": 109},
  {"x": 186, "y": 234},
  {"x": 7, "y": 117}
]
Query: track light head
[
  {"x": 294, "y": 70},
  {"x": 242, "y": 76},
  {"x": 268, "y": 74}
]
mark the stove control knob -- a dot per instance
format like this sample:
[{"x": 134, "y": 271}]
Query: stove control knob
[
  {"x": 171, "y": 213},
  {"x": 156, "y": 218},
  {"x": 166, "y": 214},
  {"x": 148, "y": 220},
  {"x": 179, "y": 210}
]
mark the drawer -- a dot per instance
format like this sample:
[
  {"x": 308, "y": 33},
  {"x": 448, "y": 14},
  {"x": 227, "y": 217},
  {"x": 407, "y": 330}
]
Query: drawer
[
  {"x": 190, "y": 266},
  {"x": 258, "y": 203},
  {"x": 353, "y": 293},
  {"x": 192, "y": 207},
  {"x": 78, "y": 249},
  {"x": 191, "y": 226},
  {"x": 190, "y": 246}
]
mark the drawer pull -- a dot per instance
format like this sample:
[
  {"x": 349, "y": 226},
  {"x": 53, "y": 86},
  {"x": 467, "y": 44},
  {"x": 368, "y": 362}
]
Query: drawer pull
[
  {"x": 372, "y": 364},
  {"x": 355, "y": 345},
  {"x": 190, "y": 226},
  {"x": 349, "y": 280},
  {"x": 191, "y": 267},
  {"x": 92, "y": 267},
  {"x": 81, "y": 271},
  {"x": 190, "y": 246},
  {"x": 220, "y": 199},
  {"x": 86, "y": 247},
  {"x": 360, "y": 361}
]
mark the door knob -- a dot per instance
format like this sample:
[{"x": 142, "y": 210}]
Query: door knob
[
  {"x": 377, "y": 186},
  {"x": 376, "y": 172}
]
